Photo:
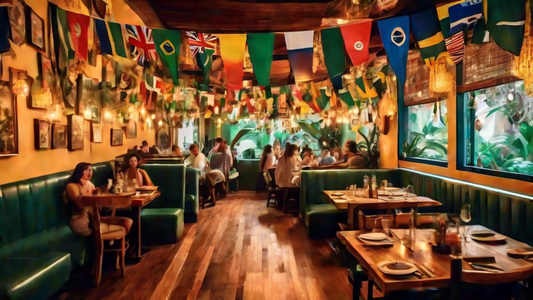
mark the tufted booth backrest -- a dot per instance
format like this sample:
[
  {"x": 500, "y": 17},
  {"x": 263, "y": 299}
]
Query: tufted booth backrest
[
  {"x": 35, "y": 205},
  {"x": 508, "y": 214},
  {"x": 314, "y": 182},
  {"x": 170, "y": 178}
]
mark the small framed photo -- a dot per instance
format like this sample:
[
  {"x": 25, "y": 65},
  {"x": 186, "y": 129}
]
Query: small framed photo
[
  {"x": 42, "y": 134},
  {"x": 35, "y": 30},
  {"x": 96, "y": 133},
  {"x": 131, "y": 129},
  {"x": 117, "y": 137},
  {"x": 75, "y": 132},
  {"x": 59, "y": 136}
]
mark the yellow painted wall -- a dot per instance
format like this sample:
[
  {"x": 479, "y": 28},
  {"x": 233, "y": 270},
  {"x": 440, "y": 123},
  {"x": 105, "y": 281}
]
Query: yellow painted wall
[
  {"x": 30, "y": 162},
  {"x": 389, "y": 158}
]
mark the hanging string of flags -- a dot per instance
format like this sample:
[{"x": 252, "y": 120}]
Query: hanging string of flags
[{"x": 442, "y": 33}]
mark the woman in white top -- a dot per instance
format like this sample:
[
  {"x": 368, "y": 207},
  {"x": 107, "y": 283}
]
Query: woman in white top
[
  {"x": 267, "y": 160},
  {"x": 286, "y": 171}
]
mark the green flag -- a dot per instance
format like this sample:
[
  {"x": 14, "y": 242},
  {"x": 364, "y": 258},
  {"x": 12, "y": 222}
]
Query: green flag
[
  {"x": 167, "y": 44},
  {"x": 115, "y": 32},
  {"x": 346, "y": 97},
  {"x": 334, "y": 54},
  {"x": 206, "y": 60},
  {"x": 261, "y": 48},
  {"x": 506, "y": 23}
]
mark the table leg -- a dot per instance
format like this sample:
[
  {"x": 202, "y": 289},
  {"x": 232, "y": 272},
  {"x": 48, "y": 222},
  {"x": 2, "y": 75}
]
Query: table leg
[
  {"x": 136, "y": 233},
  {"x": 351, "y": 222}
]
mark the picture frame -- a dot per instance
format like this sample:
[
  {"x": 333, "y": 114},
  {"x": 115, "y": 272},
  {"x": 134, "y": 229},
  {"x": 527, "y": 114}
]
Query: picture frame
[
  {"x": 17, "y": 75},
  {"x": 75, "y": 132},
  {"x": 97, "y": 133},
  {"x": 59, "y": 136},
  {"x": 17, "y": 22},
  {"x": 41, "y": 134},
  {"x": 8, "y": 118},
  {"x": 163, "y": 138},
  {"x": 43, "y": 100},
  {"x": 117, "y": 137},
  {"x": 131, "y": 129},
  {"x": 35, "y": 30},
  {"x": 88, "y": 97}
]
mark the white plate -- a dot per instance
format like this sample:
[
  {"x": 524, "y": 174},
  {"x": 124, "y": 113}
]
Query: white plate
[
  {"x": 495, "y": 238},
  {"x": 383, "y": 268},
  {"x": 338, "y": 194},
  {"x": 386, "y": 242},
  {"x": 374, "y": 236},
  {"x": 392, "y": 189}
]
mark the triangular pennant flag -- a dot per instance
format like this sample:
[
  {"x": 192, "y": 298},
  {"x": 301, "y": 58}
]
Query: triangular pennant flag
[
  {"x": 334, "y": 54},
  {"x": 111, "y": 38},
  {"x": 203, "y": 46},
  {"x": 456, "y": 47},
  {"x": 232, "y": 52},
  {"x": 64, "y": 41},
  {"x": 506, "y": 23},
  {"x": 167, "y": 44},
  {"x": 300, "y": 53},
  {"x": 346, "y": 97},
  {"x": 395, "y": 36},
  {"x": 444, "y": 18},
  {"x": 364, "y": 88},
  {"x": 481, "y": 34},
  {"x": 323, "y": 99},
  {"x": 142, "y": 48},
  {"x": 356, "y": 40},
  {"x": 464, "y": 14},
  {"x": 78, "y": 33},
  {"x": 4, "y": 30},
  {"x": 429, "y": 37},
  {"x": 261, "y": 48}
]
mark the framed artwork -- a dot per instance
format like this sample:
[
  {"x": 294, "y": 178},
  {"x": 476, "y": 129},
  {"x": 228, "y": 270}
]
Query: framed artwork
[
  {"x": 88, "y": 97},
  {"x": 21, "y": 83},
  {"x": 42, "y": 134},
  {"x": 59, "y": 136},
  {"x": 96, "y": 115},
  {"x": 35, "y": 30},
  {"x": 96, "y": 133},
  {"x": 75, "y": 132},
  {"x": 117, "y": 137},
  {"x": 17, "y": 22},
  {"x": 69, "y": 88},
  {"x": 43, "y": 99},
  {"x": 163, "y": 138},
  {"x": 8, "y": 120},
  {"x": 131, "y": 129}
]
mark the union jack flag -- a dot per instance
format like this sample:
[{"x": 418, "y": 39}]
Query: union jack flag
[
  {"x": 198, "y": 42},
  {"x": 141, "y": 43}
]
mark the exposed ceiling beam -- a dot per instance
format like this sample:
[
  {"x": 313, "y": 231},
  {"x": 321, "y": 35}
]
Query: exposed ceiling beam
[{"x": 143, "y": 9}]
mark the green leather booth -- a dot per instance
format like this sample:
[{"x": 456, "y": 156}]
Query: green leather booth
[
  {"x": 320, "y": 217},
  {"x": 37, "y": 248},
  {"x": 507, "y": 213},
  {"x": 162, "y": 221},
  {"x": 192, "y": 194},
  {"x": 248, "y": 173}
]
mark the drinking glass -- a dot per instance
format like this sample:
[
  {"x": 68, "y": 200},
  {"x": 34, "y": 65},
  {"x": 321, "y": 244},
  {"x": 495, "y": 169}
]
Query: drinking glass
[
  {"x": 385, "y": 224},
  {"x": 466, "y": 217}
]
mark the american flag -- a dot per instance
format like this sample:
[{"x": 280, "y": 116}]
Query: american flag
[
  {"x": 141, "y": 44},
  {"x": 198, "y": 42}
]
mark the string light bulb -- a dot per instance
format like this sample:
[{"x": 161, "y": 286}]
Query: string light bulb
[
  {"x": 160, "y": 123},
  {"x": 153, "y": 116}
]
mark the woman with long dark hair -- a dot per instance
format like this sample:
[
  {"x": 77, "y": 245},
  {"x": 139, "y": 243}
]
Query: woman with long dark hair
[
  {"x": 286, "y": 171},
  {"x": 133, "y": 171},
  {"x": 78, "y": 185},
  {"x": 267, "y": 161}
]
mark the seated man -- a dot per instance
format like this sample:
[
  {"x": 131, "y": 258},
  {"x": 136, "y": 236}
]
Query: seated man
[
  {"x": 326, "y": 159},
  {"x": 218, "y": 142},
  {"x": 197, "y": 159}
]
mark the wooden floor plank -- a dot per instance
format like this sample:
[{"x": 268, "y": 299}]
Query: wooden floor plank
[{"x": 239, "y": 249}]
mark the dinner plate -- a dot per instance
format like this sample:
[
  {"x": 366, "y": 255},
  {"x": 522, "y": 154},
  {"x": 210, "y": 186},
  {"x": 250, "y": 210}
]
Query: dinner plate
[
  {"x": 489, "y": 239},
  {"x": 521, "y": 252},
  {"x": 392, "y": 189},
  {"x": 337, "y": 194},
  {"x": 385, "y": 242},
  {"x": 483, "y": 233},
  {"x": 405, "y": 268},
  {"x": 374, "y": 236}
]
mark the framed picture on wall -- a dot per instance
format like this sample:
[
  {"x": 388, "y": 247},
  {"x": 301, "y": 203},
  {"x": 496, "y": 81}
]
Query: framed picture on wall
[
  {"x": 131, "y": 129},
  {"x": 59, "y": 136},
  {"x": 96, "y": 133},
  {"x": 75, "y": 132},
  {"x": 8, "y": 120},
  {"x": 117, "y": 137},
  {"x": 42, "y": 134},
  {"x": 88, "y": 103},
  {"x": 44, "y": 98},
  {"x": 35, "y": 30},
  {"x": 17, "y": 22},
  {"x": 21, "y": 84}
]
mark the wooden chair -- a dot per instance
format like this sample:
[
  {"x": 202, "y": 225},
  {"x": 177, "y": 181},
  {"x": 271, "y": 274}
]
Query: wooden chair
[
  {"x": 107, "y": 232},
  {"x": 274, "y": 193}
]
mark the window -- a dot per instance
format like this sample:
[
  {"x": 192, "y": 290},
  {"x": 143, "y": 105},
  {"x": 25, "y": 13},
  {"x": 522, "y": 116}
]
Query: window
[
  {"x": 499, "y": 133},
  {"x": 426, "y": 132}
]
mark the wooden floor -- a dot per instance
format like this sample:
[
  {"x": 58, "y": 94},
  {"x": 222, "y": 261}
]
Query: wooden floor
[{"x": 239, "y": 249}]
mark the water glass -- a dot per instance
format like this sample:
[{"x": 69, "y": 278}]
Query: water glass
[
  {"x": 384, "y": 183},
  {"x": 385, "y": 224}
]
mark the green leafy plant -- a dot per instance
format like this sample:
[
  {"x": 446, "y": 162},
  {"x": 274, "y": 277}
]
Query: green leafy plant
[{"x": 369, "y": 148}]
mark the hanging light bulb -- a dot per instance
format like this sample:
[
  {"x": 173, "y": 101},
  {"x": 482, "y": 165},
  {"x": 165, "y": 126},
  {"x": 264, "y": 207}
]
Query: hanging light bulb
[
  {"x": 88, "y": 114},
  {"x": 153, "y": 116},
  {"x": 143, "y": 111},
  {"x": 160, "y": 123}
]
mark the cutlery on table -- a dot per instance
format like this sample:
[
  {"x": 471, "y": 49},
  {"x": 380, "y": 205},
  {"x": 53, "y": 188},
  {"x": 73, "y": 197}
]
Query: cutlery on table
[
  {"x": 484, "y": 268},
  {"x": 423, "y": 269}
]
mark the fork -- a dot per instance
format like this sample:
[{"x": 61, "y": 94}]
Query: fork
[{"x": 424, "y": 270}]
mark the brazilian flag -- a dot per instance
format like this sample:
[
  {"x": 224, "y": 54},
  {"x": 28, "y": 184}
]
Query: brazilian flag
[
  {"x": 506, "y": 23},
  {"x": 167, "y": 44},
  {"x": 426, "y": 30}
]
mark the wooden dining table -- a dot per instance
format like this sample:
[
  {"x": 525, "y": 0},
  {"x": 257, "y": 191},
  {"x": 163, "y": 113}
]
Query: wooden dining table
[
  {"x": 137, "y": 203},
  {"x": 438, "y": 263},
  {"x": 354, "y": 203}
]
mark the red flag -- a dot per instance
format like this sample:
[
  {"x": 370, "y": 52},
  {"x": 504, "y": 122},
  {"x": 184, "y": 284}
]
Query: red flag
[
  {"x": 357, "y": 40},
  {"x": 79, "y": 28}
]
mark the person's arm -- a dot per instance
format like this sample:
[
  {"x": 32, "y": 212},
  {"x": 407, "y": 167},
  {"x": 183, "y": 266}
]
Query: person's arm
[
  {"x": 139, "y": 178},
  {"x": 74, "y": 194},
  {"x": 146, "y": 178}
]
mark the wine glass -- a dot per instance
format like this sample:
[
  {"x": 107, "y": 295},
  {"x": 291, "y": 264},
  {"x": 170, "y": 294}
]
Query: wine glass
[{"x": 466, "y": 217}]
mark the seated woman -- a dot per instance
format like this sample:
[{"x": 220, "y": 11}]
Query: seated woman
[
  {"x": 287, "y": 171},
  {"x": 78, "y": 185},
  {"x": 176, "y": 150},
  {"x": 308, "y": 157},
  {"x": 352, "y": 158},
  {"x": 266, "y": 162},
  {"x": 133, "y": 172}
]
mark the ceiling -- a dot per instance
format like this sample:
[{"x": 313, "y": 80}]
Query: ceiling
[{"x": 245, "y": 16}]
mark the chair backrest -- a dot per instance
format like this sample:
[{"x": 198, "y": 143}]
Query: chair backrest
[
  {"x": 272, "y": 173},
  {"x": 111, "y": 201}
]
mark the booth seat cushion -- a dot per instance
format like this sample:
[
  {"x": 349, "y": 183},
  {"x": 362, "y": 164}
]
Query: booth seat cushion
[
  {"x": 191, "y": 210},
  {"x": 162, "y": 225},
  {"x": 192, "y": 190},
  {"x": 170, "y": 179},
  {"x": 322, "y": 219},
  {"x": 33, "y": 277}
]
